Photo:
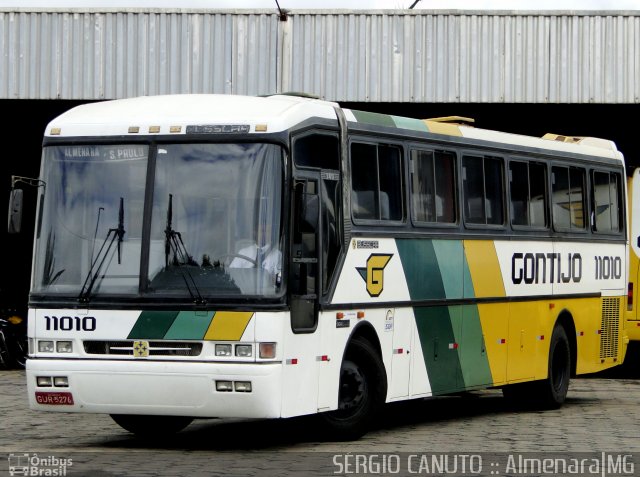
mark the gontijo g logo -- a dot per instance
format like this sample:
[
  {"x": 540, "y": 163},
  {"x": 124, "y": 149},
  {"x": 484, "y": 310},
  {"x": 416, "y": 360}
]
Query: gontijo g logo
[{"x": 373, "y": 274}]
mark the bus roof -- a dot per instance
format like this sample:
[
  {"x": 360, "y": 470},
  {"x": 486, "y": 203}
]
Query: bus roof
[
  {"x": 460, "y": 127},
  {"x": 172, "y": 114}
]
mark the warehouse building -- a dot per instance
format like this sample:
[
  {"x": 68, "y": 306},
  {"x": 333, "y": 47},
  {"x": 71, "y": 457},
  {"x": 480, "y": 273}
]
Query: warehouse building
[{"x": 566, "y": 72}]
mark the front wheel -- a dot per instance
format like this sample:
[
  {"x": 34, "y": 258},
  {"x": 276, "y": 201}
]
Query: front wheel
[
  {"x": 151, "y": 426},
  {"x": 363, "y": 389}
]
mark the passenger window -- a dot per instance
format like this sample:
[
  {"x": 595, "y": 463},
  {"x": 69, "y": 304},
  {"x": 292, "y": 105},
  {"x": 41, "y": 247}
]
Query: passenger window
[
  {"x": 605, "y": 191},
  {"x": 376, "y": 182},
  {"x": 568, "y": 198},
  {"x": 433, "y": 186},
  {"x": 527, "y": 181},
  {"x": 483, "y": 190}
]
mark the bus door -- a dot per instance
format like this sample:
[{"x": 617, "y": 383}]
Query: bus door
[
  {"x": 303, "y": 265},
  {"x": 633, "y": 191}
]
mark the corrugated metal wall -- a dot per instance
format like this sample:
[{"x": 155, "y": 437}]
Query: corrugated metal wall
[
  {"x": 381, "y": 56},
  {"x": 85, "y": 55}
]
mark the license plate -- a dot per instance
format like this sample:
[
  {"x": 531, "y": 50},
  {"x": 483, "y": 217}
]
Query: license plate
[{"x": 56, "y": 399}]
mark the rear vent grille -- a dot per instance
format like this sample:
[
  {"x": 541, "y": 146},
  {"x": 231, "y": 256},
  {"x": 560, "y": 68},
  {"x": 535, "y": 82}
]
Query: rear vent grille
[
  {"x": 609, "y": 328},
  {"x": 156, "y": 348}
]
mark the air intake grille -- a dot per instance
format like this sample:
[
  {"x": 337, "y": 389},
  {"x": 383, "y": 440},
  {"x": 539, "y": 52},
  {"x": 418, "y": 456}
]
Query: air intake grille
[
  {"x": 156, "y": 348},
  {"x": 610, "y": 328}
]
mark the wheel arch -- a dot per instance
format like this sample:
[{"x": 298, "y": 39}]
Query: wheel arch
[
  {"x": 365, "y": 330},
  {"x": 565, "y": 319}
]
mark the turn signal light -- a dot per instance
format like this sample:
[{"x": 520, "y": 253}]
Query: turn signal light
[{"x": 267, "y": 350}]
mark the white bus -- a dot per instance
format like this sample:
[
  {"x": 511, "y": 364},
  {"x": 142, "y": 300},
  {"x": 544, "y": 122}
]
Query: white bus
[{"x": 266, "y": 257}]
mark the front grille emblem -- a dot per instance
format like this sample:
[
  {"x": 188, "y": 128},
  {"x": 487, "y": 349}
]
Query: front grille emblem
[{"x": 140, "y": 349}]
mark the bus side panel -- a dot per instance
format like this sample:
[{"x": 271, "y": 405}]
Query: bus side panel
[
  {"x": 451, "y": 337},
  {"x": 633, "y": 191},
  {"x": 485, "y": 281}
]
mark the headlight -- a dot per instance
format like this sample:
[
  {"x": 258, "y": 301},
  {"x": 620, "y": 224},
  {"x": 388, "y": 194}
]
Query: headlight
[
  {"x": 61, "y": 381},
  {"x": 223, "y": 350},
  {"x": 242, "y": 386},
  {"x": 244, "y": 351},
  {"x": 224, "y": 386},
  {"x": 45, "y": 346},
  {"x": 64, "y": 346},
  {"x": 43, "y": 381}
]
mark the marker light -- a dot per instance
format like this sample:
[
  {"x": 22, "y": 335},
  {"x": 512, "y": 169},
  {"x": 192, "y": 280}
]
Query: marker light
[
  {"x": 267, "y": 350},
  {"x": 223, "y": 350},
  {"x": 45, "y": 346}
]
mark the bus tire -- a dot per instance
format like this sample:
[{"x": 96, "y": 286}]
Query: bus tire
[
  {"x": 552, "y": 392},
  {"x": 363, "y": 390},
  {"x": 549, "y": 393},
  {"x": 554, "y": 389},
  {"x": 151, "y": 426}
]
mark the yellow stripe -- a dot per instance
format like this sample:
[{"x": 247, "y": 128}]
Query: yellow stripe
[
  {"x": 228, "y": 325},
  {"x": 443, "y": 128},
  {"x": 484, "y": 268}
]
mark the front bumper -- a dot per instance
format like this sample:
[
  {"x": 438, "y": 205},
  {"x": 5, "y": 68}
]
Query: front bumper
[{"x": 159, "y": 387}]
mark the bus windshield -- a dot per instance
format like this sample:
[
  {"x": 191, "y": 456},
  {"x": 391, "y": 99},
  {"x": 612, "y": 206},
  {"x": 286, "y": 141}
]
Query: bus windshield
[{"x": 214, "y": 218}]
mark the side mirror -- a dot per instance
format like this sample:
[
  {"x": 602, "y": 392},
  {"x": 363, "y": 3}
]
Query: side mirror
[{"x": 15, "y": 211}]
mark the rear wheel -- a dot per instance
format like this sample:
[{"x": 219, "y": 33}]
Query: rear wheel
[
  {"x": 553, "y": 390},
  {"x": 548, "y": 393},
  {"x": 363, "y": 389},
  {"x": 151, "y": 426}
]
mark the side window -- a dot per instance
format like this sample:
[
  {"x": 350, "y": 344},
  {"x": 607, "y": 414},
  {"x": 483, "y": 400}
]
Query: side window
[
  {"x": 376, "y": 180},
  {"x": 606, "y": 212},
  {"x": 528, "y": 199},
  {"x": 320, "y": 151},
  {"x": 568, "y": 198},
  {"x": 483, "y": 190},
  {"x": 433, "y": 186}
]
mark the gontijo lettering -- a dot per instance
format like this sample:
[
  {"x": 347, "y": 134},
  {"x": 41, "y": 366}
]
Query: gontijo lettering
[{"x": 542, "y": 267}]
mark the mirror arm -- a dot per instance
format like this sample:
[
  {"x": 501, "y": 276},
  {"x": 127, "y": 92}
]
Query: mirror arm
[{"x": 30, "y": 181}]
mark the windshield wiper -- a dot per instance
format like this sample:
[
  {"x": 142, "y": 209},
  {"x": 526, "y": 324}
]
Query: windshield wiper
[
  {"x": 196, "y": 297},
  {"x": 173, "y": 242},
  {"x": 115, "y": 234}
]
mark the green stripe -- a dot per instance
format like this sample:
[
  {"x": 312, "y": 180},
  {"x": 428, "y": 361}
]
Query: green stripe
[
  {"x": 410, "y": 123},
  {"x": 437, "y": 269},
  {"x": 374, "y": 118},
  {"x": 436, "y": 331},
  {"x": 152, "y": 325},
  {"x": 473, "y": 354},
  {"x": 421, "y": 269},
  {"x": 450, "y": 255},
  {"x": 190, "y": 325}
]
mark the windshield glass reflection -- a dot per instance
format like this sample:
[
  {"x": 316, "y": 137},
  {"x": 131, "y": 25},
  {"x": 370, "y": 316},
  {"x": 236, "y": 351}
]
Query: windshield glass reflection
[
  {"x": 89, "y": 239},
  {"x": 215, "y": 228}
]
